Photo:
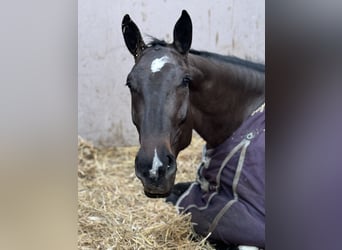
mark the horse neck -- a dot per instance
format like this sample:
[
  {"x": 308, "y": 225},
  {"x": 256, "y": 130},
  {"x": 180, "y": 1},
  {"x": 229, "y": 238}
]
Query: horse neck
[{"x": 222, "y": 96}]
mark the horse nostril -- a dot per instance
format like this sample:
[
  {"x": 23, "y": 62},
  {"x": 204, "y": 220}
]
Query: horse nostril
[
  {"x": 171, "y": 166},
  {"x": 170, "y": 159}
]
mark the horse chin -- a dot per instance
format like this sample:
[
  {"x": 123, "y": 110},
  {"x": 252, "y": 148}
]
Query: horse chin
[{"x": 155, "y": 195}]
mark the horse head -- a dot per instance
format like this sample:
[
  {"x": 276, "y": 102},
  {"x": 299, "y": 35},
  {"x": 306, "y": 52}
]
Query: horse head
[{"x": 159, "y": 86}]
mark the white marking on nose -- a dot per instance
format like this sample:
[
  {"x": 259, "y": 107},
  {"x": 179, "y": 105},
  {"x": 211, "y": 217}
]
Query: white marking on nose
[
  {"x": 156, "y": 164},
  {"x": 159, "y": 63}
]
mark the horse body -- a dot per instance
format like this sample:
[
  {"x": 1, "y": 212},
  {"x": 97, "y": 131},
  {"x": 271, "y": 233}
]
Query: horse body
[
  {"x": 175, "y": 90},
  {"x": 222, "y": 95}
]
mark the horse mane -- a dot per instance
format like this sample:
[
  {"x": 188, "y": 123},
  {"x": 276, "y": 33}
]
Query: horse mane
[
  {"x": 155, "y": 42},
  {"x": 223, "y": 58},
  {"x": 230, "y": 59}
]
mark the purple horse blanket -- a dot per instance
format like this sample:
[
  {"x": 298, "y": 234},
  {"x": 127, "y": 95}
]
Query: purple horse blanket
[{"x": 228, "y": 197}]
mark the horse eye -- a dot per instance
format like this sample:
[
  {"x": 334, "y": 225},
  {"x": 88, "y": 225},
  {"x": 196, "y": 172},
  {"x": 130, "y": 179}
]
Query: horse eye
[
  {"x": 186, "y": 81},
  {"x": 129, "y": 84},
  {"x": 131, "y": 87}
]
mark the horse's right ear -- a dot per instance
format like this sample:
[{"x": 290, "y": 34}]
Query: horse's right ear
[
  {"x": 182, "y": 33},
  {"x": 132, "y": 36}
]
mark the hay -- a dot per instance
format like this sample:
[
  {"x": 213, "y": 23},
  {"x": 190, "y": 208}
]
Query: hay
[{"x": 113, "y": 211}]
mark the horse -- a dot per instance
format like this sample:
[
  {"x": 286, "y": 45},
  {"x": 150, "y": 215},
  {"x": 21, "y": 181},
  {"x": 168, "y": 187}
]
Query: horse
[{"x": 175, "y": 90}]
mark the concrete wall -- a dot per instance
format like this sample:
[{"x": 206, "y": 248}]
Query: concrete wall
[{"x": 232, "y": 27}]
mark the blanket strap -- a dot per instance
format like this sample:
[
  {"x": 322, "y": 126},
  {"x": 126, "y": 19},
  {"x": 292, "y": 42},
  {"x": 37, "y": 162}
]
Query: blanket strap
[{"x": 244, "y": 144}]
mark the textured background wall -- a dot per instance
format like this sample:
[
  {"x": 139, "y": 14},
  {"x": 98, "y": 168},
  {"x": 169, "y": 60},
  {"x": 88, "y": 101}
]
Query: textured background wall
[{"x": 228, "y": 27}]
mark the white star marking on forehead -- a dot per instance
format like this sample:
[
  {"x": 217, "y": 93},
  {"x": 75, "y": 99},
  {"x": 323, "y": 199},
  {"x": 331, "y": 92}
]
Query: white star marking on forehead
[{"x": 158, "y": 64}]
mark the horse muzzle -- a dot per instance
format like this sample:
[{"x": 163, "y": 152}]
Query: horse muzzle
[{"x": 157, "y": 173}]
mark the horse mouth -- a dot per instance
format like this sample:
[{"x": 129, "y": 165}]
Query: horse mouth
[{"x": 156, "y": 195}]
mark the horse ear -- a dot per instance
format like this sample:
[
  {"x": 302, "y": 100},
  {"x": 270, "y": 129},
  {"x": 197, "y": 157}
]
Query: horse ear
[
  {"x": 182, "y": 33},
  {"x": 132, "y": 36}
]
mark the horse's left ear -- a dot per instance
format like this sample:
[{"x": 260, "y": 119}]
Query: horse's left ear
[
  {"x": 182, "y": 33},
  {"x": 132, "y": 36}
]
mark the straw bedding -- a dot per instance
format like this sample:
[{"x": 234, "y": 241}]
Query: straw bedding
[{"x": 113, "y": 211}]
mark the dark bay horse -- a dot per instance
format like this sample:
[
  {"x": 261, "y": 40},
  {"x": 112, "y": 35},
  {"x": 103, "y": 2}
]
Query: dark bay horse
[{"x": 174, "y": 90}]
